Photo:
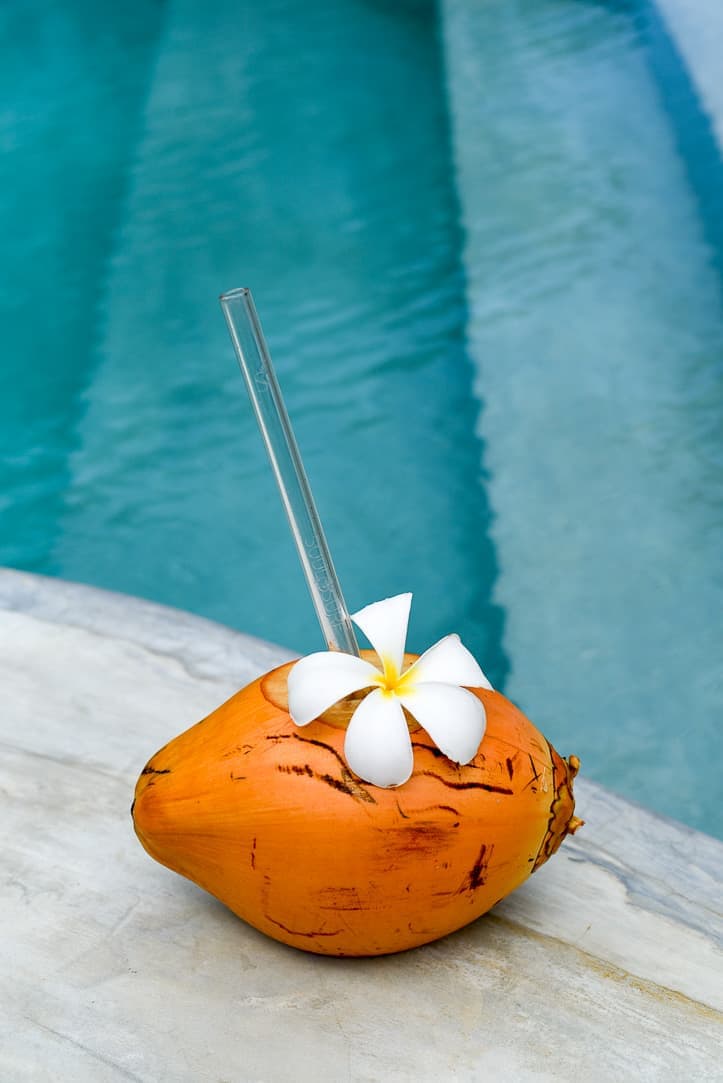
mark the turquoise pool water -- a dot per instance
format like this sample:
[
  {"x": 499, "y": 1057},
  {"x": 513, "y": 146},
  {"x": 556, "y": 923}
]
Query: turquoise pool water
[{"x": 482, "y": 239}]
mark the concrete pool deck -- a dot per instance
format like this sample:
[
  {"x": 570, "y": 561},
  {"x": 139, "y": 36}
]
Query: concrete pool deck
[{"x": 604, "y": 966}]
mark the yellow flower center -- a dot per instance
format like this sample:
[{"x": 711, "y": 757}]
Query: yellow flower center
[{"x": 391, "y": 681}]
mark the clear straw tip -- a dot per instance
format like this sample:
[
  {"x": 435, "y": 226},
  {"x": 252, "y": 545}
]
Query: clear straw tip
[{"x": 253, "y": 356}]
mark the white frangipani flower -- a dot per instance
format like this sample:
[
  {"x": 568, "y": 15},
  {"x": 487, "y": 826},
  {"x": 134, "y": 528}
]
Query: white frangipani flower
[{"x": 434, "y": 690}]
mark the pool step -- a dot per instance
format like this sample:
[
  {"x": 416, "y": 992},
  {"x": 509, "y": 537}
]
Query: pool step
[{"x": 596, "y": 325}]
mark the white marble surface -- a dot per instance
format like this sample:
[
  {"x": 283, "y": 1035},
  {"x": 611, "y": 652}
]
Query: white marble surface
[{"x": 605, "y": 966}]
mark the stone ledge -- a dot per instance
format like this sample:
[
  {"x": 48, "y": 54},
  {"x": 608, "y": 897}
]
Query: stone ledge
[{"x": 603, "y": 965}]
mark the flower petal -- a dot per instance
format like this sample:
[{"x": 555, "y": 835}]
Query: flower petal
[
  {"x": 377, "y": 745},
  {"x": 385, "y": 626},
  {"x": 319, "y": 680},
  {"x": 453, "y": 717},
  {"x": 448, "y": 661}
]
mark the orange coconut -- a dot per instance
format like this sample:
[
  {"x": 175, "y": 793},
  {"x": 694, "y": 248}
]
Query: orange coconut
[{"x": 269, "y": 819}]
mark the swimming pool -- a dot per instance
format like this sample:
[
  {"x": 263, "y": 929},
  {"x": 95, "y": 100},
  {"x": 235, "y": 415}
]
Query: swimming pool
[{"x": 489, "y": 272}]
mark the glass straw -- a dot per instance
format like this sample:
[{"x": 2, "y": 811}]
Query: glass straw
[{"x": 263, "y": 388}]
